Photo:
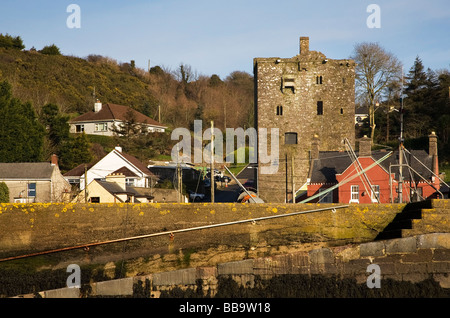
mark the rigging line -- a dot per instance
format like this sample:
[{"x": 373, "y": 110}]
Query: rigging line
[
  {"x": 84, "y": 246},
  {"x": 426, "y": 167},
  {"x": 430, "y": 184},
  {"x": 349, "y": 179},
  {"x": 409, "y": 169},
  {"x": 372, "y": 192},
  {"x": 360, "y": 166}
]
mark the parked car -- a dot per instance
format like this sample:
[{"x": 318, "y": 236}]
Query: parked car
[{"x": 193, "y": 196}]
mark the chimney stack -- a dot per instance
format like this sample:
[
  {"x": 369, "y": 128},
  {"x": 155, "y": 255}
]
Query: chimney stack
[
  {"x": 315, "y": 147},
  {"x": 433, "y": 151},
  {"x": 365, "y": 147},
  {"x": 97, "y": 106},
  {"x": 304, "y": 45},
  {"x": 118, "y": 148},
  {"x": 54, "y": 160}
]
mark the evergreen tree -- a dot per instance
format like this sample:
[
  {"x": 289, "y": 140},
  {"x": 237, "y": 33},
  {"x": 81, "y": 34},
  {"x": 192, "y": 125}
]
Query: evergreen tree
[
  {"x": 75, "y": 151},
  {"x": 21, "y": 134},
  {"x": 7, "y": 41},
  {"x": 50, "y": 50},
  {"x": 416, "y": 79},
  {"x": 56, "y": 124},
  {"x": 4, "y": 193}
]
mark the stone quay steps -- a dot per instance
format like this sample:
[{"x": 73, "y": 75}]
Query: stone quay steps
[{"x": 419, "y": 218}]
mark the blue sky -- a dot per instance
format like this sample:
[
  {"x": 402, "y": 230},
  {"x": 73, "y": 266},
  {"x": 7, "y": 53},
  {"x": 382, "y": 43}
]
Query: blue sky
[{"x": 219, "y": 37}]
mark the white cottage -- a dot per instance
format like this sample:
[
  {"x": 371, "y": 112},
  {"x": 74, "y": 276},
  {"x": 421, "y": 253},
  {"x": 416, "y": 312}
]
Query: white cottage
[
  {"x": 105, "y": 117},
  {"x": 135, "y": 172}
]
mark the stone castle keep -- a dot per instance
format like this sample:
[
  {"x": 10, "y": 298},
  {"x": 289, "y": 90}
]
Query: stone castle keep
[{"x": 309, "y": 98}]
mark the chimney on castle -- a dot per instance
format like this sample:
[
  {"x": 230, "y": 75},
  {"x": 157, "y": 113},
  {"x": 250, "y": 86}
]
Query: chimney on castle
[
  {"x": 97, "y": 106},
  {"x": 365, "y": 147},
  {"x": 304, "y": 45}
]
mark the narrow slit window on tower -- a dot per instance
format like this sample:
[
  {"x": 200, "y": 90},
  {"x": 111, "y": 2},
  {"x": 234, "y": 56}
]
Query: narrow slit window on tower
[
  {"x": 279, "y": 110},
  {"x": 320, "y": 108},
  {"x": 342, "y": 111},
  {"x": 319, "y": 79}
]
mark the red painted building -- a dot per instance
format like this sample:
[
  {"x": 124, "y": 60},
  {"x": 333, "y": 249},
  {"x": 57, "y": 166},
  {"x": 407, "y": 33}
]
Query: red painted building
[{"x": 379, "y": 183}]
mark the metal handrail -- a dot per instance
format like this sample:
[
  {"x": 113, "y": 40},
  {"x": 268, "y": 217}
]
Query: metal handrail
[{"x": 86, "y": 246}]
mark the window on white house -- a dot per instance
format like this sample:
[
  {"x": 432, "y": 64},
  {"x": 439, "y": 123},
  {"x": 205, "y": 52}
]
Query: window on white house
[
  {"x": 354, "y": 192},
  {"x": 130, "y": 182},
  {"x": 375, "y": 193},
  {"x": 79, "y": 128},
  {"x": 31, "y": 189},
  {"x": 101, "y": 127}
]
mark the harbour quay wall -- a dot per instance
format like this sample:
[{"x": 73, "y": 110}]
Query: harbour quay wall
[
  {"x": 407, "y": 262},
  {"x": 33, "y": 228}
]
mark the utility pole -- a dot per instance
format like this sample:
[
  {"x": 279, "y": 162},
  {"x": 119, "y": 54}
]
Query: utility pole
[
  {"x": 292, "y": 177},
  {"x": 85, "y": 183},
  {"x": 212, "y": 162},
  {"x": 159, "y": 113}
]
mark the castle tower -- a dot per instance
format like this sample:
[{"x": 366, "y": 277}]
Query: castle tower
[{"x": 307, "y": 97}]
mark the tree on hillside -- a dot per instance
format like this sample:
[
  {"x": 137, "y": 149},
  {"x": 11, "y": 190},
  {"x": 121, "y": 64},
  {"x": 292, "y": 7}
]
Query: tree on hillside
[
  {"x": 56, "y": 124},
  {"x": 7, "y": 41},
  {"x": 129, "y": 128},
  {"x": 75, "y": 151},
  {"x": 375, "y": 70},
  {"x": 21, "y": 134},
  {"x": 50, "y": 50}
]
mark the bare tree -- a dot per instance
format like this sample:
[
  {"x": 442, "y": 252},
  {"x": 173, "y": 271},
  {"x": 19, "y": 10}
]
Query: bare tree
[{"x": 376, "y": 69}]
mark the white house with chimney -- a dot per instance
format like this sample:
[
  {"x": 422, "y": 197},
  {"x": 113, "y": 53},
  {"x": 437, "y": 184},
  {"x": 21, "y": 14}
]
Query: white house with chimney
[
  {"x": 105, "y": 117},
  {"x": 116, "y": 162}
]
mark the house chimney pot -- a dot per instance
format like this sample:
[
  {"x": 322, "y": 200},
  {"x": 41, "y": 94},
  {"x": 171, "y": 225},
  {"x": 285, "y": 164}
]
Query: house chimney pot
[
  {"x": 97, "y": 106},
  {"x": 365, "y": 147},
  {"x": 433, "y": 151},
  {"x": 54, "y": 160},
  {"x": 315, "y": 147}
]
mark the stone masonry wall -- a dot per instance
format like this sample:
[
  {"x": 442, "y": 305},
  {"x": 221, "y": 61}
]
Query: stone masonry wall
[{"x": 413, "y": 259}]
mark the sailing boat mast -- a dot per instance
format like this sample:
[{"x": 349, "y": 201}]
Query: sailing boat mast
[{"x": 400, "y": 148}]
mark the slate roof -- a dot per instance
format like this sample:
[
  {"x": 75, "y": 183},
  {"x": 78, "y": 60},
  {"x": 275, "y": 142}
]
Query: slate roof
[
  {"x": 114, "y": 188},
  {"x": 330, "y": 163},
  {"x": 26, "y": 170},
  {"x": 111, "y": 112},
  {"x": 78, "y": 171}
]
